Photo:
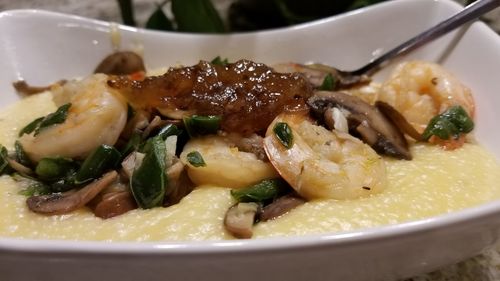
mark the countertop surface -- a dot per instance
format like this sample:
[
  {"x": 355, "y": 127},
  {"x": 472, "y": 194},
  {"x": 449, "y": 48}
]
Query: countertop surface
[{"x": 484, "y": 267}]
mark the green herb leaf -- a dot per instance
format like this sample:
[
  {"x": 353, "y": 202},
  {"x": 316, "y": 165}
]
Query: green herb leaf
[
  {"x": 21, "y": 155},
  {"x": 329, "y": 83},
  {"x": 101, "y": 159},
  {"x": 194, "y": 158},
  {"x": 53, "y": 169},
  {"x": 168, "y": 131},
  {"x": 219, "y": 61},
  {"x": 64, "y": 184},
  {"x": 148, "y": 181},
  {"x": 158, "y": 20},
  {"x": 57, "y": 117},
  {"x": 284, "y": 134},
  {"x": 260, "y": 192},
  {"x": 448, "y": 124},
  {"x": 30, "y": 186},
  {"x": 31, "y": 126},
  {"x": 133, "y": 144},
  {"x": 197, "y": 125},
  {"x": 197, "y": 16},
  {"x": 4, "y": 163}
]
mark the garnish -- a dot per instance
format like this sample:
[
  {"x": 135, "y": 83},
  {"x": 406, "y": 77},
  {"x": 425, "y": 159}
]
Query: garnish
[
  {"x": 148, "y": 181},
  {"x": 284, "y": 134},
  {"x": 219, "y": 61},
  {"x": 28, "y": 129},
  {"x": 101, "y": 159},
  {"x": 56, "y": 168},
  {"x": 197, "y": 125},
  {"x": 194, "y": 158},
  {"x": 4, "y": 163},
  {"x": 21, "y": 155},
  {"x": 449, "y": 124},
  {"x": 260, "y": 192},
  {"x": 30, "y": 186},
  {"x": 329, "y": 83},
  {"x": 57, "y": 117}
]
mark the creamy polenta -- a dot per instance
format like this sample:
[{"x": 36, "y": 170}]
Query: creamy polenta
[{"x": 434, "y": 182}]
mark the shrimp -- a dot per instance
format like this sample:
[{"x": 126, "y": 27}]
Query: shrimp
[
  {"x": 225, "y": 165},
  {"x": 323, "y": 163},
  {"x": 97, "y": 116},
  {"x": 421, "y": 90}
]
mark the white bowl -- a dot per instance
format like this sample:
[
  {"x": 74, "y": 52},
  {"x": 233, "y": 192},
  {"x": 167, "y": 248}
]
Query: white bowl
[{"x": 43, "y": 47}]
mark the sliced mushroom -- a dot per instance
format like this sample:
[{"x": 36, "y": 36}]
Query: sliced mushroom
[
  {"x": 22, "y": 87},
  {"x": 179, "y": 184},
  {"x": 253, "y": 144},
  {"x": 316, "y": 73},
  {"x": 375, "y": 129},
  {"x": 154, "y": 124},
  {"x": 240, "y": 218},
  {"x": 114, "y": 204},
  {"x": 62, "y": 203},
  {"x": 398, "y": 119},
  {"x": 139, "y": 122},
  {"x": 281, "y": 206},
  {"x": 133, "y": 160},
  {"x": 121, "y": 63},
  {"x": 20, "y": 168}
]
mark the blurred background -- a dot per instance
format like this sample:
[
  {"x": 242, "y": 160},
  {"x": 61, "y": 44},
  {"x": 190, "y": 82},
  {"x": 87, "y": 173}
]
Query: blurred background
[{"x": 212, "y": 16}]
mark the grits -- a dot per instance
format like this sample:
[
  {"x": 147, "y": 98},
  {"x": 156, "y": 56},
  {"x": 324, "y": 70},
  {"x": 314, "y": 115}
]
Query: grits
[{"x": 434, "y": 182}]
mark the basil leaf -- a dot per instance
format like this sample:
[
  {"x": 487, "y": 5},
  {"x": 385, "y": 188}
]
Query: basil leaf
[
  {"x": 158, "y": 20},
  {"x": 197, "y": 125},
  {"x": 30, "y": 186},
  {"x": 197, "y": 16},
  {"x": 21, "y": 155},
  {"x": 4, "y": 163},
  {"x": 448, "y": 124},
  {"x": 53, "y": 169},
  {"x": 65, "y": 183},
  {"x": 194, "y": 158},
  {"x": 101, "y": 159},
  {"x": 284, "y": 134},
  {"x": 28, "y": 129},
  {"x": 57, "y": 117},
  {"x": 219, "y": 61},
  {"x": 148, "y": 181},
  {"x": 168, "y": 131},
  {"x": 260, "y": 192},
  {"x": 329, "y": 83},
  {"x": 133, "y": 144}
]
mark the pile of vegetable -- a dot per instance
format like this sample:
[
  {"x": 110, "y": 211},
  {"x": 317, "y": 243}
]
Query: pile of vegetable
[{"x": 144, "y": 169}]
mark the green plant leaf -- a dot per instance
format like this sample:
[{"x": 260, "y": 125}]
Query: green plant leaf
[
  {"x": 197, "y": 16},
  {"x": 127, "y": 12},
  {"x": 158, "y": 20}
]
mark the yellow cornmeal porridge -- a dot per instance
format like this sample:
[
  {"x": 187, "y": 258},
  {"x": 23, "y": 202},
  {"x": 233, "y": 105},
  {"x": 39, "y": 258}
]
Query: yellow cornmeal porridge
[{"x": 434, "y": 182}]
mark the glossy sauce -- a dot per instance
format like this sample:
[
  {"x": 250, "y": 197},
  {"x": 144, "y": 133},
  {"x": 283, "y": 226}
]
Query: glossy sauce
[{"x": 248, "y": 95}]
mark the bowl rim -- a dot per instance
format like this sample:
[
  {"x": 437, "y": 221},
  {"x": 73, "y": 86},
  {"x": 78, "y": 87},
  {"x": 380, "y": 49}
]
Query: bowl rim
[{"x": 9, "y": 244}]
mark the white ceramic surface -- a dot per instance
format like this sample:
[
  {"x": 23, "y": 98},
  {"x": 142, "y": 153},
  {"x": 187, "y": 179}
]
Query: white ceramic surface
[{"x": 42, "y": 47}]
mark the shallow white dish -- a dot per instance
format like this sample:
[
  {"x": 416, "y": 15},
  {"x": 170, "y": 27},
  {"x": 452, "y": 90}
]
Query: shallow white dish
[{"x": 43, "y": 47}]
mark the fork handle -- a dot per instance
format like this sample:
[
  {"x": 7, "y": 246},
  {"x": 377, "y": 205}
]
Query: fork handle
[{"x": 470, "y": 12}]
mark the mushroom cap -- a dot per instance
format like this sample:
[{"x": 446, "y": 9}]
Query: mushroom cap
[{"x": 366, "y": 120}]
